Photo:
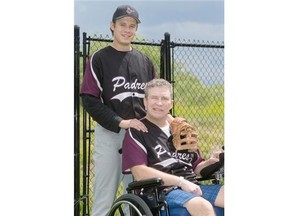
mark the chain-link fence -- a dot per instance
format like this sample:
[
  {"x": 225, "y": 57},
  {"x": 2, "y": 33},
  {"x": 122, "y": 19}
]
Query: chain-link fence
[
  {"x": 196, "y": 70},
  {"x": 198, "y": 79}
]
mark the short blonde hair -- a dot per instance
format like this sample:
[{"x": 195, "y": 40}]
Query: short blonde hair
[{"x": 158, "y": 82}]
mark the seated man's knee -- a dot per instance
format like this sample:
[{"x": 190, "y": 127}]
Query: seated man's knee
[
  {"x": 199, "y": 206},
  {"x": 220, "y": 198}
]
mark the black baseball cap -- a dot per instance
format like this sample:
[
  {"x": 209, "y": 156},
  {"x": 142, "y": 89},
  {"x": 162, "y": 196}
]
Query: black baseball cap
[{"x": 126, "y": 10}]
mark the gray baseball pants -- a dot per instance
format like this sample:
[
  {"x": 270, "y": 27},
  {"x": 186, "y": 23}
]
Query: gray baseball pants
[{"x": 107, "y": 169}]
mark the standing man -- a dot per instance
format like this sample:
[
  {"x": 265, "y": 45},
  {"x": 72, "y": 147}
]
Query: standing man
[{"x": 112, "y": 93}]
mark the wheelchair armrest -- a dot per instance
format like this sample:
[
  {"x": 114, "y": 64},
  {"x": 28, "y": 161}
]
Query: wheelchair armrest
[
  {"x": 206, "y": 172},
  {"x": 145, "y": 183},
  {"x": 200, "y": 178}
]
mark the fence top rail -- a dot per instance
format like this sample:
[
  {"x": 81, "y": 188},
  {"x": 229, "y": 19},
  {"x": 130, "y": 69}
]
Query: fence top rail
[
  {"x": 173, "y": 44},
  {"x": 133, "y": 42}
]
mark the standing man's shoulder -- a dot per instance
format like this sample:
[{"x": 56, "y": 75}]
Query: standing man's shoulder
[
  {"x": 101, "y": 51},
  {"x": 138, "y": 52},
  {"x": 141, "y": 55}
]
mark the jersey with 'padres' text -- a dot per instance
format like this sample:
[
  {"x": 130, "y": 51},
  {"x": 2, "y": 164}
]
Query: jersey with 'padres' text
[
  {"x": 153, "y": 150},
  {"x": 117, "y": 80}
]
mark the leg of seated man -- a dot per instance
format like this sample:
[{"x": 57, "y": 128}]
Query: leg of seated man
[
  {"x": 220, "y": 198},
  {"x": 188, "y": 204},
  {"x": 199, "y": 206},
  {"x": 219, "y": 211},
  {"x": 214, "y": 193}
]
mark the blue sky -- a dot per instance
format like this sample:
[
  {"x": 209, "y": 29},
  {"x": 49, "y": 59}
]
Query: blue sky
[{"x": 189, "y": 20}]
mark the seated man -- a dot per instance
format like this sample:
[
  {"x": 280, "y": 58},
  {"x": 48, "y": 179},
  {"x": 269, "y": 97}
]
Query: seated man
[{"x": 149, "y": 155}]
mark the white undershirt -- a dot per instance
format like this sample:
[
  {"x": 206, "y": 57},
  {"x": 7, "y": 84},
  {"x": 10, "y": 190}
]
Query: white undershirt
[{"x": 166, "y": 129}]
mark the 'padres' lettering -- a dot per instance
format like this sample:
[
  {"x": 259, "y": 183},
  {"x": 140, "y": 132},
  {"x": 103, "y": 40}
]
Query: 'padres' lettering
[
  {"x": 182, "y": 156},
  {"x": 121, "y": 82},
  {"x": 160, "y": 150}
]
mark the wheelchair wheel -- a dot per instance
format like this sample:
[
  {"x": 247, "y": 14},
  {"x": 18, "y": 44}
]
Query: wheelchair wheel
[{"x": 130, "y": 203}]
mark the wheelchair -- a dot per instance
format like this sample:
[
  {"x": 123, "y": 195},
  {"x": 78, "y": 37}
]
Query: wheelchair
[{"x": 147, "y": 197}]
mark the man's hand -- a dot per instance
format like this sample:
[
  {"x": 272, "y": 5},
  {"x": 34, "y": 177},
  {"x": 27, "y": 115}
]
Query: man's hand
[
  {"x": 190, "y": 187},
  {"x": 133, "y": 123}
]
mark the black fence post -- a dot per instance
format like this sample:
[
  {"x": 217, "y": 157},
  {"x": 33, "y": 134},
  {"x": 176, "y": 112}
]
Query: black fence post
[
  {"x": 76, "y": 121},
  {"x": 162, "y": 59},
  {"x": 85, "y": 191},
  {"x": 167, "y": 60}
]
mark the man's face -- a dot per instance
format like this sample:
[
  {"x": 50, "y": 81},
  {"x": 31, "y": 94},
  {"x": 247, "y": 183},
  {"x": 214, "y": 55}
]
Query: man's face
[
  {"x": 158, "y": 103},
  {"x": 124, "y": 30}
]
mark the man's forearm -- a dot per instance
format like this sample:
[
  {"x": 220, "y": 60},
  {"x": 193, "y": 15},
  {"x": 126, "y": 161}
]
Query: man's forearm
[
  {"x": 101, "y": 113},
  {"x": 142, "y": 172}
]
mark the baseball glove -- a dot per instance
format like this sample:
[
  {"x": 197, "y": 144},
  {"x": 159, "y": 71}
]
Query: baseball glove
[{"x": 184, "y": 135}]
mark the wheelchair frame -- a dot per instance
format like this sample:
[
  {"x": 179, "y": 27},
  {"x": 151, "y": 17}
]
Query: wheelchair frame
[
  {"x": 137, "y": 202},
  {"x": 147, "y": 198}
]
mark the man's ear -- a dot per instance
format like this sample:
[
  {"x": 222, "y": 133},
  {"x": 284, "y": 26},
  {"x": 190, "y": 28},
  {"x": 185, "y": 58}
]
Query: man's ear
[
  {"x": 145, "y": 103},
  {"x": 112, "y": 26},
  {"x": 172, "y": 101}
]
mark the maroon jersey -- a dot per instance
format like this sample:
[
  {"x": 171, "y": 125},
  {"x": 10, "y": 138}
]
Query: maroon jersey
[
  {"x": 154, "y": 150},
  {"x": 117, "y": 80}
]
